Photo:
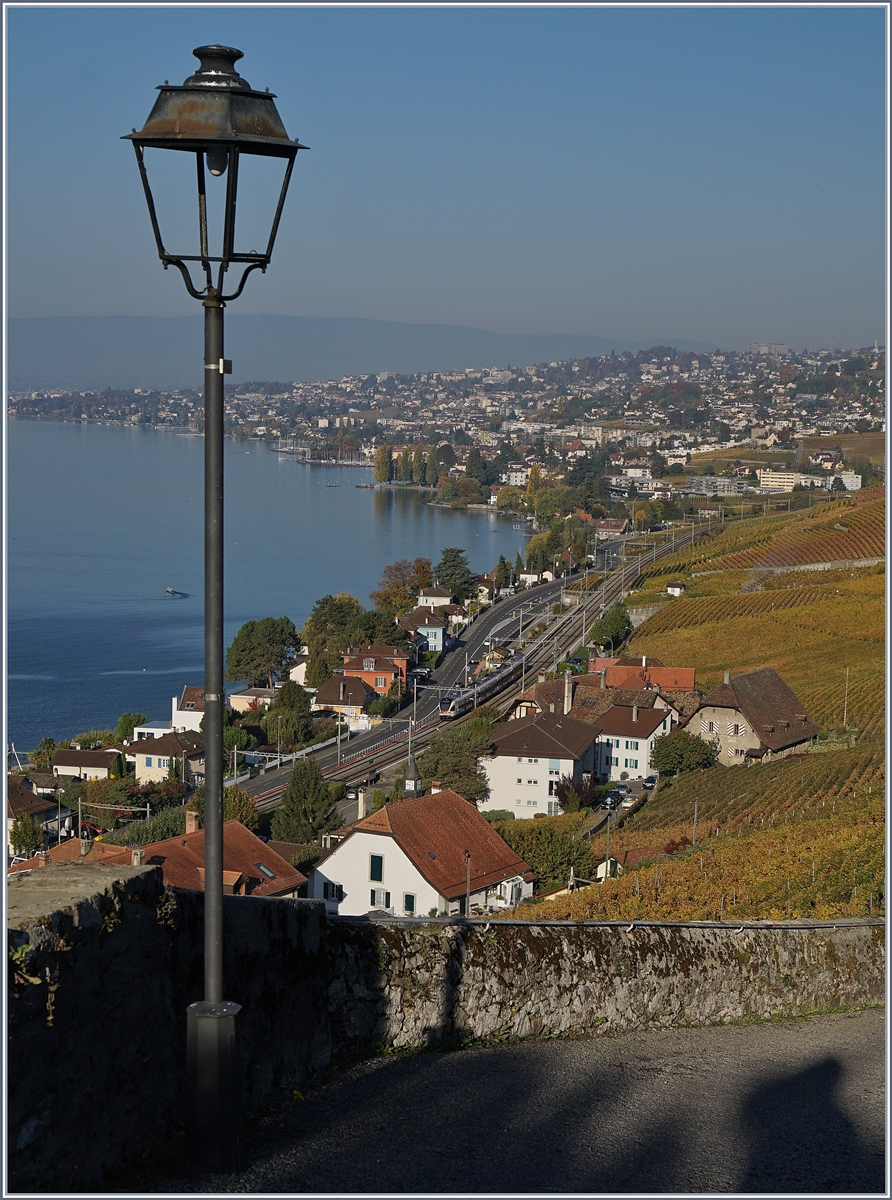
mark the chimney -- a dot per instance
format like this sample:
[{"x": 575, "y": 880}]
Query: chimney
[
  {"x": 643, "y": 662},
  {"x": 343, "y": 689},
  {"x": 86, "y": 845},
  {"x": 551, "y": 706},
  {"x": 436, "y": 786},
  {"x": 360, "y": 803},
  {"x": 634, "y": 712},
  {"x": 603, "y": 675},
  {"x": 191, "y": 821},
  {"x": 541, "y": 677},
  {"x": 42, "y": 859},
  {"x": 568, "y": 693},
  {"x": 727, "y": 677},
  {"x": 137, "y": 858}
]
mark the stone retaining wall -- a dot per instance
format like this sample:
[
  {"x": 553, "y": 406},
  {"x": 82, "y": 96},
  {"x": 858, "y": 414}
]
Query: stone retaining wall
[{"x": 104, "y": 961}]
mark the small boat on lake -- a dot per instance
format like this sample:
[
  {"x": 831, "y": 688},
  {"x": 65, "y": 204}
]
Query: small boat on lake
[{"x": 171, "y": 591}]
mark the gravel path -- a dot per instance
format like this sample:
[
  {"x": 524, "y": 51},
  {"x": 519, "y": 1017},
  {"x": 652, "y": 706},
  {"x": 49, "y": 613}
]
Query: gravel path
[{"x": 790, "y": 1107}]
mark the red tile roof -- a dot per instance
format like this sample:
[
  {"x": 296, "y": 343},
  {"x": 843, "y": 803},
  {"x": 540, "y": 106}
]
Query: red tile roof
[
  {"x": 356, "y": 691},
  {"x": 434, "y": 831},
  {"x": 193, "y": 697},
  {"x": 182, "y": 860}
]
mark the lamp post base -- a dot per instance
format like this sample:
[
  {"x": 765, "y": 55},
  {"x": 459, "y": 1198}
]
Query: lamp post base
[{"x": 214, "y": 1104}]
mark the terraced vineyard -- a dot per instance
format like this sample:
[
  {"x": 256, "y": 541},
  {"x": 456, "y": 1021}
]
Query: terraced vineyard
[
  {"x": 808, "y": 634},
  {"x": 852, "y": 528},
  {"x": 794, "y": 838}
]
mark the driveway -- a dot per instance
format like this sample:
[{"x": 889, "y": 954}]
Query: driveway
[{"x": 789, "y": 1107}]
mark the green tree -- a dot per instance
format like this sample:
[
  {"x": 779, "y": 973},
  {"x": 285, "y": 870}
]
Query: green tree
[
  {"x": 26, "y": 834},
  {"x": 453, "y": 572},
  {"x": 446, "y": 455},
  {"x": 453, "y": 756},
  {"x": 432, "y": 468},
  {"x": 680, "y": 751},
  {"x": 384, "y": 464},
  {"x": 127, "y": 722},
  {"x": 404, "y": 470},
  {"x": 43, "y": 755},
  {"x": 237, "y": 806},
  {"x": 288, "y": 721},
  {"x": 307, "y": 808},
  {"x": 503, "y": 572},
  {"x": 657, "y": 465},
  {"x": 549, "y": 851},
  {"x": 262, "y": 651},
  {"x": 518, "y": 564},
  {"x": 614, "y": 626},
  {"x": 418, "y": 464},
  {"x": 476, "y": 467}
]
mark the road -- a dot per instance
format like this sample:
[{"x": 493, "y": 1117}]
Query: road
[{"x": 788, "y": 1107}]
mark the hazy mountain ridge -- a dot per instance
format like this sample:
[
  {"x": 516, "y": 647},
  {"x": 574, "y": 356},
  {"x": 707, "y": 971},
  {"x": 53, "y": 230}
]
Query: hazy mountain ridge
[{"x": 166, "y": 352}]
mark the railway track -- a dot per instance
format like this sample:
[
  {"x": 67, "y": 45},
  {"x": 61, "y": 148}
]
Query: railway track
[{"x": 565, "y": 634}]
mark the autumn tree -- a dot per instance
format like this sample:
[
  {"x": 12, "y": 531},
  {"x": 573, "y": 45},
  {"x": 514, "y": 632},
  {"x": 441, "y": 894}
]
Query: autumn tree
[
  {"x": 384, "y": 464},
  {"x": 397, "y": 593},
  {"x": 432, "y": 468},
  {"x": 237, "y": 806},
  {"x": 418, "y": 464}
]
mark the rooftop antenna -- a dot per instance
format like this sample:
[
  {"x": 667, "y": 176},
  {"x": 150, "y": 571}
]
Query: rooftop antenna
[{"x": 12, "y": 751}]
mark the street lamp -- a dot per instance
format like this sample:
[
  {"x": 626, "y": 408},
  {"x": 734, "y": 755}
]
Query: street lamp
[{"x": 217, "y": 118}]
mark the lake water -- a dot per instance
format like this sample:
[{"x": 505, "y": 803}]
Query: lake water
[{"x": 102, "y": 518}]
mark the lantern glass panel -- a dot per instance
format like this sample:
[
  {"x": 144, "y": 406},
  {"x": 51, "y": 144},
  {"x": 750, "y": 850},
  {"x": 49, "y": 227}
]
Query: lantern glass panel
[
  {"x": 173, "y": 180},
  {"x": 260, "y": 181}
]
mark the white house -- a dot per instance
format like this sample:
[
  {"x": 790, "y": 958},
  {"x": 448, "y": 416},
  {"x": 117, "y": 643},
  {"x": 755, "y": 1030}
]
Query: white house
[
  {"x": 434, "y": 597},
  {"x": 626, "y": 735},
  {"x": 84, "y": 764},
  {"x": 409, "y": 859},
  {"x": 186, "y": 715},
  {"x": 530, "y": 756}
]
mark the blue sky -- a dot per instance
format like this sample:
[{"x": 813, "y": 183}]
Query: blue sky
[{"x": 690, "y": 173}]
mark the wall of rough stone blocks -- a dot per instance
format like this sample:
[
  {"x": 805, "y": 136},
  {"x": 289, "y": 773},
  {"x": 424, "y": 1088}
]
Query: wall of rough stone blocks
[{"x": 104, "y": 961}]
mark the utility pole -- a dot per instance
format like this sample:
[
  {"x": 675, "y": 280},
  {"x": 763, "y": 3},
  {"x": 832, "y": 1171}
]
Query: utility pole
[
  {"x": 607, "y": 850},
  {"x": 694, "y": 837},
  {"x": 468, "y": 884},
  {"x": 845, "y": 703}
]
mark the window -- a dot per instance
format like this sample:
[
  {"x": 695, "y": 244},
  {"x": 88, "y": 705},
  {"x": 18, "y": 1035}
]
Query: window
[
  {"x": 264, "y": 870},
  {"x": 711, "y": 727},
  {"x": 520, "y": 760},
  {"x": 533, "y": 782},
  {"x": 380, "y": 898},
  {"x": 518, "y": 803},
  {"x": 380, "y": 681},
  {"x": 376, "y": 867},
  {"x": 616, "y": 742},
  {"x": 635, "y": 762},
  {"x": 554, "y": 809},
  {"x": 554, "y": 766},
  {"x": 148, "y": 762},
  {"x": 551, "y": 784},
  {"x": 531, "y": 804},
  {"x": 368, "y": 664},
  {"x": 627, "y": 762},
  {"x": 190, "y": 704},
  {"x": 163, "y": 762},
  {"x": 409, "y": 904},
  {"x": 332, "y": 891},
  {"x": 532, "y": 760},
  {"x": 634, "y": 746},
  {"x": 520, "y": 781}
]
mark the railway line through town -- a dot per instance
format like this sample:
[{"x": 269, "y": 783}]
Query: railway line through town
[{"x": 372, "y": 753}]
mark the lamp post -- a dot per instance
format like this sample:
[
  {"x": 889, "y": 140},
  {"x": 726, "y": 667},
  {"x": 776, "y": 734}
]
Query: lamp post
[{"x": 226, "y": 126}]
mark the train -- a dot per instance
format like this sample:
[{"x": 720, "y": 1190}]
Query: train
[{"x": 456, "y": 704}]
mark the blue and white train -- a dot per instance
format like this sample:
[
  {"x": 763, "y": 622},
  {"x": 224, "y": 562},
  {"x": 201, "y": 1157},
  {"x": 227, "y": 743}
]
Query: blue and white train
[{"x": 456, "y": 704}]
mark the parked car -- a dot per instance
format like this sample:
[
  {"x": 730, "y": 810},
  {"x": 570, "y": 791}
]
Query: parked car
[
  {"x": 650, "y": 782},
  {"x": 623, "y": 789},
  {"x": 629, "y": 802},
  {"x": 611, "y": 803}
]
